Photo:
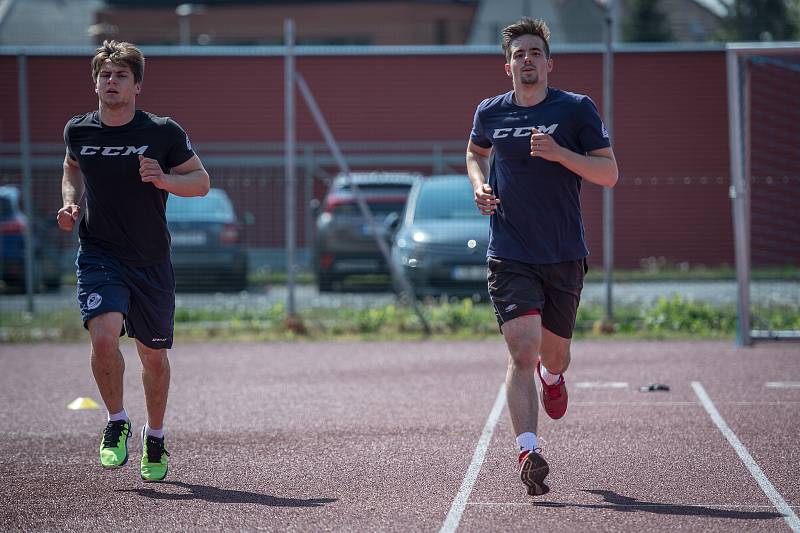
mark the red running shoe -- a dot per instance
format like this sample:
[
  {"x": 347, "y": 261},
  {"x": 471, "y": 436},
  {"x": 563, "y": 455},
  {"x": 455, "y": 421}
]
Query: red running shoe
[
  {"x": 554, "y": 397},
  {"x": 532, "y": 471}
]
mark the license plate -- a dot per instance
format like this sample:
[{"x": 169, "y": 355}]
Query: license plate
[
  {"x": 469, "y": 272},
  {"x": 189, "y": 238},
  {"x": 360, "y": 265}
]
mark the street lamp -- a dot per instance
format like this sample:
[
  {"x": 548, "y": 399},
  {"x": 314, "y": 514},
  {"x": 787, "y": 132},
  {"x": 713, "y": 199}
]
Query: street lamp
[{"x": 184, "y": 11}]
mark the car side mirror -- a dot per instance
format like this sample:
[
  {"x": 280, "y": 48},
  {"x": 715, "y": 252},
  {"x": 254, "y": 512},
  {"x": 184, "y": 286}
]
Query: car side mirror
[{"x": 392, "y": 222}]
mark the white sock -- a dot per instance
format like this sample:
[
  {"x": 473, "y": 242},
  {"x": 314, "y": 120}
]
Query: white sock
[
  {"x": 122, "y": 415},
  {"x": 527, "y": 441},
  {"x": 157, "y": 433},
  {"x": 547, "y": 377}
]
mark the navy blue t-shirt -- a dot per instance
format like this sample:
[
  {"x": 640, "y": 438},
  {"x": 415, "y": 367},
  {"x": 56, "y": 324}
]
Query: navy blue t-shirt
[
  {"x": 125, "y": 217},
  {"x": 538, "y": 220}
]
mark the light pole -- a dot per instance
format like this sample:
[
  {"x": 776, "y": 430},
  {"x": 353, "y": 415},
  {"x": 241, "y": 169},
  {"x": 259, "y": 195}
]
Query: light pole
[{"x": 184, "y": 11}]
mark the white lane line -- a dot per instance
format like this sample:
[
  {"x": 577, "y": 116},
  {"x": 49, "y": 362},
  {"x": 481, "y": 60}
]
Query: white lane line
[
  {"x": 631, "y": 505},
  {"x": 635, "y": 404},
  {"x": 765, "y": 484},
  {"x": 460, "y": 501},
  {"x": 782, "y": 384},
  {"x": 601, "y": 385},
  {"x": 675, "y": 404}
]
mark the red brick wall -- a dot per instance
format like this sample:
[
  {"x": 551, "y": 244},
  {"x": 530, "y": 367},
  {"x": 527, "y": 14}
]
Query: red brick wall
[{"x": 670, "y": 124}]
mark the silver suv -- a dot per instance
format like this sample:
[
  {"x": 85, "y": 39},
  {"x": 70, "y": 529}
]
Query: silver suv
[{"x": 344, "y": 244}]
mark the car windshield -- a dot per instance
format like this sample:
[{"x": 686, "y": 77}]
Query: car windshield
[
  {"x": 213, "y": 207},
  {"x": 445, "y": 199}
]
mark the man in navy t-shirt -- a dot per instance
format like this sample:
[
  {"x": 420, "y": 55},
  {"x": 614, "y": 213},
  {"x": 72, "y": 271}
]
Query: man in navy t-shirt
[
  {"x": 528, "y": 153},
  {"x": 125, "y": 162}
]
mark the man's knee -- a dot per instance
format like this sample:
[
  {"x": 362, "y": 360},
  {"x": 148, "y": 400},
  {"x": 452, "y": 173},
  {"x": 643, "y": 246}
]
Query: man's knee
[
  {"x": 105, "y": 345},
  {"x": 154, "y": 360},
  {"x": 104, "y": 332},
  {"x": 523, "y": 347}
]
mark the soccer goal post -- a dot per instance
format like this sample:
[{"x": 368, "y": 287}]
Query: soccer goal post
[{"x": 764, "y": 139}]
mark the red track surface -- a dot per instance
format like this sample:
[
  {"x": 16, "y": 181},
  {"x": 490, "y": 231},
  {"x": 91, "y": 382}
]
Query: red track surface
[{"x": 379, "y": 436}]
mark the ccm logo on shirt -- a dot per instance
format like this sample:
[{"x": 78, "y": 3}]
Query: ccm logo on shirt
[
  {"x": 499, "y": 133},
  {"x": 113, "y": 150}
]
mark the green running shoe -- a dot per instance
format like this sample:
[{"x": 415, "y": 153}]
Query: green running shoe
[
  {"x": 114, "y": 444},
  {"x": 154, "y": 458}
]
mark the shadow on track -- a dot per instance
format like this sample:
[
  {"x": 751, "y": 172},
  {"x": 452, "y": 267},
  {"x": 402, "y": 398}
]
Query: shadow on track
[
  {"x": 218, "y": 495},
  {"x": 618, "y": 502}
]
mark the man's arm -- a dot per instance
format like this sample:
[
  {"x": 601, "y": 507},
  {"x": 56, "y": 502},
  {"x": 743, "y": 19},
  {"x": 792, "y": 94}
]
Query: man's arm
[
  {"x": 187, "y": 179},
  {"x": 598, "y": 166},
  {"x": 71, "y": 195},
  {"x": 478, "y": 172}
]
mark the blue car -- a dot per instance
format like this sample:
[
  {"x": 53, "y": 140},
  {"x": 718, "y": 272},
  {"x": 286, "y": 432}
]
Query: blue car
[
  {"x": 208, "y": 249},
  {"x": 13, "y": 226},
  {"x": 440, "y": 242}
]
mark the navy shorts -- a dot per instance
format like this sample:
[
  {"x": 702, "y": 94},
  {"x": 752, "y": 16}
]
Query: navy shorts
[
  {"x": 144, "y": 295},
  {"x": 553, "y": 291}
]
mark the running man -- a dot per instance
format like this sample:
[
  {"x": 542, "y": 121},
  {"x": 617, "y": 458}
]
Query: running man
[
  {"x": 126, "y": 162},
  {"x": 528, "y": 152}
]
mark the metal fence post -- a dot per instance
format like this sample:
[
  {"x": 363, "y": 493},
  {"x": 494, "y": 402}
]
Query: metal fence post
[
  {"x": 608, "y": 192},
  {"x": 27, "y": 195},
  {"x": 289, "y": 159}
]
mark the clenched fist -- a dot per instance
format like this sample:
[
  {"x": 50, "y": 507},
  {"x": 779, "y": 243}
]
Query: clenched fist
[
  {"x": 67, "y": 216},
  {"x": 486, "y": 200},
  {"x": 151, "y": 172}
]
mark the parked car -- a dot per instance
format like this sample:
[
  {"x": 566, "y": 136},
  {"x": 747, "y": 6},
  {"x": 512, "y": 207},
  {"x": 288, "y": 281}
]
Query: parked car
[
  {"x": 441, "y": 240},
  {"x": 13, "y": 224},
  {"x": 344, "y": 244},
  {"x": 207, "y": 244}
]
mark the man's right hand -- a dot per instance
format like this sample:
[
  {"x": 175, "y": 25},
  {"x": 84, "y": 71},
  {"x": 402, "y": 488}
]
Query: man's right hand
[
  {"x": 486, "y": 200},
  {"x": 67, "y": 216}
]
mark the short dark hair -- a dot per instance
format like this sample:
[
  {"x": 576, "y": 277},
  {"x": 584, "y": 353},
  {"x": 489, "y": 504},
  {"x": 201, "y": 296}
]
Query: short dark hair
[
  {"x": 526, "y": 26},
  {"x": 120, "y": 53}
]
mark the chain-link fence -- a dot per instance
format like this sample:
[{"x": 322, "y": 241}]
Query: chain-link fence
[{"x": 672, "y": 210}]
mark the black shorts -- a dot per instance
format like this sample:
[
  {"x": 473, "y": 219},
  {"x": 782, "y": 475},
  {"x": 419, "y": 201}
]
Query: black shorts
[
  {"x": 144, "y": 295},
  {"x": 552, "y": 290}
]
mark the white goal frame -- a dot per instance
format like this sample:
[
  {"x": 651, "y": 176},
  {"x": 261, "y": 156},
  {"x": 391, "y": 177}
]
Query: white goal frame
[{"x": 739, "y": 142}]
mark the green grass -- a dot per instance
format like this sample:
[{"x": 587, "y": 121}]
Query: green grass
[{"x": 675, "y": 318}]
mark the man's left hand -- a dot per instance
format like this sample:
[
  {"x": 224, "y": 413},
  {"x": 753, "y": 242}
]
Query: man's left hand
[
  {"x": 151, "y": 172},
  {"x": 544, "y": 146}
]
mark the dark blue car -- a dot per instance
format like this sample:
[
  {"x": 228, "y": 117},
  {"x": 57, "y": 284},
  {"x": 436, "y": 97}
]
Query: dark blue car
[
  {"x": 13, "y": 226},
  {"x": 207, "y": 242}
]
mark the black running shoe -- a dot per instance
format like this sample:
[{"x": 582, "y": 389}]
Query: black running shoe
[{"x": 532, "y": 471}]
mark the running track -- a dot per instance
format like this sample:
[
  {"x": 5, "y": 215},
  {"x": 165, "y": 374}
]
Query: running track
[{"x": 411, "y": 436}]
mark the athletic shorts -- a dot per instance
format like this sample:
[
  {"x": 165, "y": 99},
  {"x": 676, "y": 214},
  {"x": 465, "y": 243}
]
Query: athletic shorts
[
  {"x": 144, "y": 295},
  {"x": 553, "y": 291}
]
